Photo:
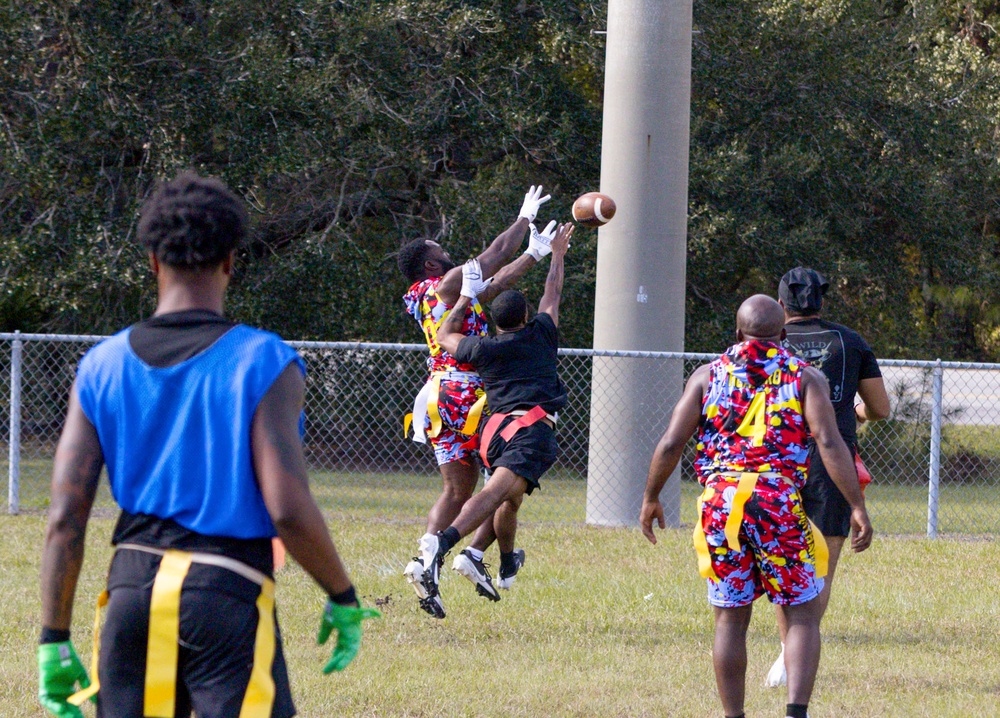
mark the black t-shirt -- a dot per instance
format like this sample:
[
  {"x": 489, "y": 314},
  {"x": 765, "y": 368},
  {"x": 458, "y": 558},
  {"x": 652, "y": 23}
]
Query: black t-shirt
[
  {"x": 519, "y": 369},
  {"x": 163, "y": 341},
  {"x": 843, "y": 356}
]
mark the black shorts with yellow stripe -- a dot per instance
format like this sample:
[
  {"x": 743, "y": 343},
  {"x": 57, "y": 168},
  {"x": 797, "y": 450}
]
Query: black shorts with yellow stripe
[{"x": 217, "y": 646}]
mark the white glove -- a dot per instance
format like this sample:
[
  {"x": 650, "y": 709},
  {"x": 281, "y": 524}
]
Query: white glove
[
  {"x": 539, "y": 243},
  {"x": 532, "y": 201},
  {"x": 473, "y": 283}
]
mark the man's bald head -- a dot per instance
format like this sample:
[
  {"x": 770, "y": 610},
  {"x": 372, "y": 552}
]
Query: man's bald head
[{"x": 760, "y": 317}]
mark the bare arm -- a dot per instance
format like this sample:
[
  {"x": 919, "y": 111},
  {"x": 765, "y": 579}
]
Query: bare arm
[
  {"x": 507, "y": 277},
  {"x": 75, "y": 474},
  {"x": 837, "y": 458},
  {"x": 281, "y": 473},
  {"x": 874, "y": 400},
  {"x": 491, "y": 260},
  {"x": 549, "y": 303},
  {"x": 683, "y": 423},
  {"x": 450, "y": 332}
]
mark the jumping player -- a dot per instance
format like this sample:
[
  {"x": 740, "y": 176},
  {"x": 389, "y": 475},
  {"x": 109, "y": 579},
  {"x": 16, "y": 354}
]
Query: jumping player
[
  {"x": 519, "y": 369},
  {"x": 197, "y": 419},
  {"x": 754, "y": 409},
  {"x": 448, "y": 410},
  {"x": 850, "y": 367}
]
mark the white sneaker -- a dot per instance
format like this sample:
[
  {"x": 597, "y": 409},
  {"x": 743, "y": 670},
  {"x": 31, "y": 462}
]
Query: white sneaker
[
  {"x": 475, "y": 570},
  {"x": 432, "y": 557},
  {"x": 776, "y": 676},
  {"x": 414, "y": 573}
]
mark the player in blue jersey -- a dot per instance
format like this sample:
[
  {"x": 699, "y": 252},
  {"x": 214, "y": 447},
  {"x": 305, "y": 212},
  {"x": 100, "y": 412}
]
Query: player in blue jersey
[{"x": 198, "y": 422}]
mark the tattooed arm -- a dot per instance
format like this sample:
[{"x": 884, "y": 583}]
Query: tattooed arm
[
  {"x": 450, "y": 332},
  {"x": 75, "y": 473}
]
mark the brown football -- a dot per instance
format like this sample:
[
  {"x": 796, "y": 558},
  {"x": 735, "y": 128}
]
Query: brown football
[{"x": 593, "y": 209}]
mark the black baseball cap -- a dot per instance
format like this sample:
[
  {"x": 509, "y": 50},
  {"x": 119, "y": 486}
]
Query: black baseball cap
[{"x": 802, "y": 289}]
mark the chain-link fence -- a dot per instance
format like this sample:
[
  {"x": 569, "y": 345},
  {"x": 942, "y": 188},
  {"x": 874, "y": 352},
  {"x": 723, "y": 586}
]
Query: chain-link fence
[{"x": 935, "y": 462}]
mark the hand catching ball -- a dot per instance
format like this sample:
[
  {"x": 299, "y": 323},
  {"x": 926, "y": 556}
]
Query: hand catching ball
[{"x": 594, "y": 209}]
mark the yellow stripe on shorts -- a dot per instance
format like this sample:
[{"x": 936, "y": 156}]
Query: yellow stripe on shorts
[
  {"x": 78, "y": 698},
  {"x": 734, "y": 521},
  {"x": 820, "y": 549},
  {"x": 164, "y": 630},
  {"x": 259, "y": 698},
  {"x": 701, "y": 544}
]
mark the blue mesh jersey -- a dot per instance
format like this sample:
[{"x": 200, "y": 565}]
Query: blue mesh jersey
[{"x": 176, "y": 440}]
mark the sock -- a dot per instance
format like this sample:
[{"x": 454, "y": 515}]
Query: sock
[
  {"x": 796, "y": 710},
  {"x": 448, "y": 538},
  {"x": 475, "y": 553},
  {"x": 506, "y": 561}
]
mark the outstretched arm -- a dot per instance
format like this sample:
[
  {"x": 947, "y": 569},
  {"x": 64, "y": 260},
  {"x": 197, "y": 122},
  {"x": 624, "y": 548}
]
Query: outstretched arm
[
  {"x": 683, "y": 423},
  {"x": 549, "y": 303},
  {"x": 280, "y": 466},
  {"x": 75, "y": 473},
  {"x": 499, "y": 252}
]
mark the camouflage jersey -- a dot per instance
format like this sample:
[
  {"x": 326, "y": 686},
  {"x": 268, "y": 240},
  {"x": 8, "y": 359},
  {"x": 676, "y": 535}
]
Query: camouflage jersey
[
  {"x": 424, "y": 305},
  {"x": 752, "y": 414}
]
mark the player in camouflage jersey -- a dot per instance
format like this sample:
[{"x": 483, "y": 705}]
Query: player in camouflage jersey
[
  {"x": 448, "y": 410},
  {"x": 754, "y": 409}
]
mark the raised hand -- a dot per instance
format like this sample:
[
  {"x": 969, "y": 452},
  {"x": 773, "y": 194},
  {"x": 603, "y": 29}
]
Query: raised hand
[
  {"x": 539, "y": 243},
  {"x": 533, "y": 200},
  {"x": 473, "y": 282}
]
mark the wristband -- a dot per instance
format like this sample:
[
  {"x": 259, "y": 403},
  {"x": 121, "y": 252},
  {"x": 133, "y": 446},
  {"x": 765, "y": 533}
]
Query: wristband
[
  {"x": 345, "y": 598},
  {"x": 54, "y": 635}
]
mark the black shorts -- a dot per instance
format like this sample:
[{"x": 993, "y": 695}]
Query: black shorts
[
  {"x": 529, "y": 453},
  {"x": 822, "y": 500},
  {"x": 218, "y": 624}
]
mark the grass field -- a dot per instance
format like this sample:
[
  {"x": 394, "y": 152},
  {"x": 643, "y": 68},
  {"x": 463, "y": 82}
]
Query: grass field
[
  {"x": 965, "y": 511},
  {"x": 599, "y": 624}
]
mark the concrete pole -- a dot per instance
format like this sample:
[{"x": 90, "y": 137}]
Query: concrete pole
[{"x": 641, "y": 255}]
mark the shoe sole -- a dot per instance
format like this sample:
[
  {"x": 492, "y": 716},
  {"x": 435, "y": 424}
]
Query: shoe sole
[
  {"x": 465, "y": 568},
  {"x": 433, "y": 607},
  {"x": 414, "y": 573}
]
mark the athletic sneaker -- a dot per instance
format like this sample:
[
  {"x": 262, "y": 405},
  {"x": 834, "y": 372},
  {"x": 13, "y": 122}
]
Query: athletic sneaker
[
  {"x": 776, "y": 676},
  {"x": 433, "y": 606},
  {"x": 432, "y": 558},
  {"x": 508, "y": 574},
  {"x": 414, "y": 573},
  {"x": 475, "y": 570}
]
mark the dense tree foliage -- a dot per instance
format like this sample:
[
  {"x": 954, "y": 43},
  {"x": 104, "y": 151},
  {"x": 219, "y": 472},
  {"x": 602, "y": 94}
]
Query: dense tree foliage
[{"x": 862, "y": 138}]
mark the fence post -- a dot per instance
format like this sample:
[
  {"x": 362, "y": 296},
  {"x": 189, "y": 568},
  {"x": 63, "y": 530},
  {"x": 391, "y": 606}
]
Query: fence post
[
  {"x": 14, "y": 457},
  {"x": 934, "y": 472}
]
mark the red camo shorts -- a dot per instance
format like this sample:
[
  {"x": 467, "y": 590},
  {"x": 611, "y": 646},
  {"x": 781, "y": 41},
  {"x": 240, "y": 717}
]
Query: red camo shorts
[
  {"x": 455, "y": 398},
  {"x": 778, "y": 553}
]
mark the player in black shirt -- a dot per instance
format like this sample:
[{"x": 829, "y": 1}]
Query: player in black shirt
[
  {"x": 518, "y": 367},
  {"x": 850, "y": 367}
]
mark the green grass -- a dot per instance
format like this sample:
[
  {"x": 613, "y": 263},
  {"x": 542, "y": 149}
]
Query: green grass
[
  {"x": 599, "y": 624},
  {"x": 967, "y": 510}
]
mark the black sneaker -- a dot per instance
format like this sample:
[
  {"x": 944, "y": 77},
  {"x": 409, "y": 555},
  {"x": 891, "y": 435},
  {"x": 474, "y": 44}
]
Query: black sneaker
[
  {"x": 509, "y": 573},
  {"x": 433, "y": 606},
  {"x": 432, "y": 558},
  {"x": 475, "y": 570}
]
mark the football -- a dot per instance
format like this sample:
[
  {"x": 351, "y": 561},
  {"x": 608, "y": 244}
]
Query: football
[{"x": 593, "y": 209}]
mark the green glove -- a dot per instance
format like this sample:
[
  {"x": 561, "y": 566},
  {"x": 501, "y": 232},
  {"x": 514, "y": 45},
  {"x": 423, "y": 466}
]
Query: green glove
[
  {"x": 347, "y": 620},
  {"x": 59, "y": 670}
]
